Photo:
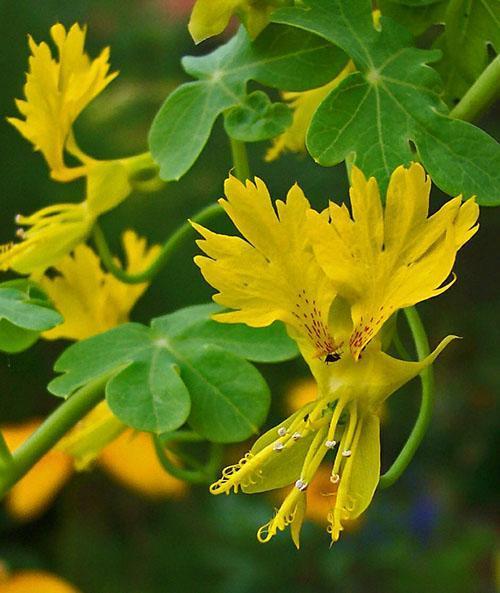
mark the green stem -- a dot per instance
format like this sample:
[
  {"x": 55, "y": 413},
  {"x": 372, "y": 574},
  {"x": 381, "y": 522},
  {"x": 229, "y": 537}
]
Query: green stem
[
  {"x": 168, "y": 249},
  {"x": 426, "y": 405},
  {"x": 50, "y": 432},
  {"x": 481, "y": 94},
  {"x": 240, "y": 159},
  {"x": 205, "y": 475},
  {"x": 5, "y": 454}
]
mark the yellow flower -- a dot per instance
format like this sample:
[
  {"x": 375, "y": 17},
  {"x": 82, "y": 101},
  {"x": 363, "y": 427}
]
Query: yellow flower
[
  {"x": 31, "y": 581},
  {"x": 36, "y": 490},
  {"x": 56, "y": 93},
  {"x": 91, "y": 300},
  {"x": 127, "y": 456},
  {"x": 273, "y": 274},
  {"x": 304, "y": 105},
  {"x": 210, "y": 18},
  {"x": 384, "y": 259},
  {"x": 52, "y": 232}
]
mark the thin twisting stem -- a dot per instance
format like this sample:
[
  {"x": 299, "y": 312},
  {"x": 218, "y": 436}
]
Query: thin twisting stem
[
  {"x": 50, "y": 432},
  {"x": 167, "y": 250},
  {"x": 203, "y": 475},
  {"x": 426, "y": 405}
]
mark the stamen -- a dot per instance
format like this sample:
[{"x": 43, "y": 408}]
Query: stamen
[
  {"x": 330, "y": 444},
  {"x": 282, "y": 431},
  {"x": 301, "y": 485}
]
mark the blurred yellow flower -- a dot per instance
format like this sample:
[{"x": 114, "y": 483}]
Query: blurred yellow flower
[
  {"x": 36, "y": 490},
  {"x": 34, "y": 581},
  {"x": 91, "y": 300},
  {"x": 304, "y": 105},
  {"x": 316, "y": 272},
  {"x": 56, "y": 92},
  {"x": 131, "y": 460},
  {"x": 210, "y": 18}
]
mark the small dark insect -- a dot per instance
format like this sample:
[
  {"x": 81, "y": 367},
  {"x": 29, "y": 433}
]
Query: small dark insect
[{"x": 332, "y": 357}]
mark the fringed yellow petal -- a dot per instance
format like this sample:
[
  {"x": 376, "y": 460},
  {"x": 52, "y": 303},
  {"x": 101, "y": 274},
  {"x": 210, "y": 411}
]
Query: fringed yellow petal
[
  {"x": 132, "y": 461},
  {"x": 30, "y": 497},
  {"x": 90, "y": 300},
  {"x": 273, "y": 273},
  {"x": 384, "y": 260},
  {"x": 56, "y": 91},
  {"x": 303, "y": 105},
  {"x": 35, "y": 581}
]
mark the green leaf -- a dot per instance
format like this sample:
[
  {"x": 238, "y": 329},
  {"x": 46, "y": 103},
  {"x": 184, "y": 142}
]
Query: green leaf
[
  {"x": 281, "y": 57},
  {"x": 393, "y": 103},
  {"x": 230, "y": 399},
  {"x": 15, "y": 339},
  {"x": 161, "y": 400},
  {"x": 470, "y": 26},
  {"x": 184, "y": 367},
  {"x": 417, "y": 18},
  {"x": 194, "y": 324},
  {"x": 417, "y": 3},
  {"x": 24, "y": 313},
  {"x": 257, "y": 119}
]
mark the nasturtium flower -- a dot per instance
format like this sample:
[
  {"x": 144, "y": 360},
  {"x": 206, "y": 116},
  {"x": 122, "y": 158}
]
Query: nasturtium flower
[
  {"x": 51, "y": 233},
  {"x": 56, "y": 92},
  {"x": 384, "y": 259},
  {"x": 91, "y": 300},
  {"x": 304, "y": 105},
  {"x": 274, "y": 273},
  {"x": 31, "y": 581},
  {"x": 210, "y": 18}
]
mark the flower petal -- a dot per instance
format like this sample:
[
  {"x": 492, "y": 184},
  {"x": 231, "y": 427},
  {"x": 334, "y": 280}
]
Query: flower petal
[
  {"x": 381, "y": 261},
  {"x": 272, "y": 275}
]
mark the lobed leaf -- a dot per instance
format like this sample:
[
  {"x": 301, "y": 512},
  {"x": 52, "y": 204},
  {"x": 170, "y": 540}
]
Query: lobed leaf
[
  {"x": 185, "y": 367},
  {"x": 281, "y": 57},
  {"x": 392, "y": 106},
  {"x": 24, "y": 313}
]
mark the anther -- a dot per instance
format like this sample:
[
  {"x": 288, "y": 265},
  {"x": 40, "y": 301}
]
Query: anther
[
  {"x": 278, "y": 446},
  {"x": 347, "y": 453},
  {"x": 334, "y": 478},
  {"x": 20, "y": 233},
  {"x": 301, "y": 485},
  {"x": 296, "y": 436},
  {"x": 330, "y": 444},
  {"x": 17, "y": 218},
  {"x": 282, "y": 431}
]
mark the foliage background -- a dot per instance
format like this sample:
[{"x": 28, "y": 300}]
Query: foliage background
[{"x": 434, "y": 531}]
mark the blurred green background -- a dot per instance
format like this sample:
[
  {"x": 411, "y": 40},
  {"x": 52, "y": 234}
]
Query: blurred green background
[{"x": 434, "y": 531}]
